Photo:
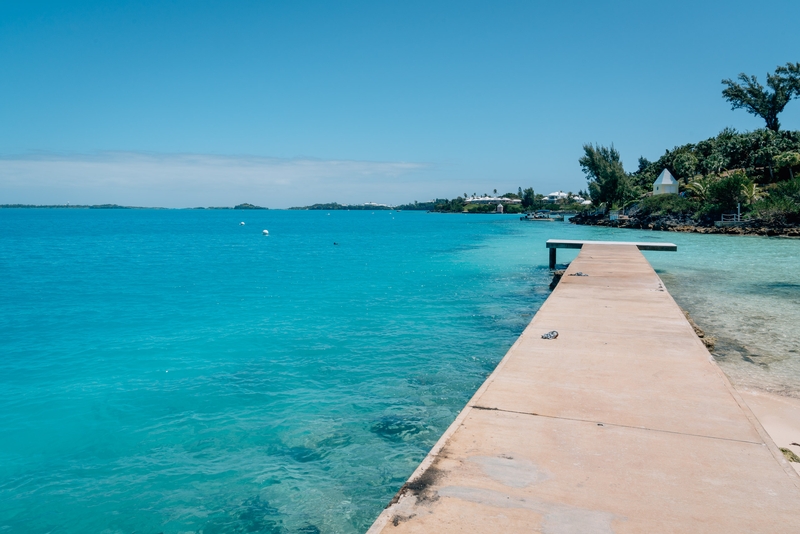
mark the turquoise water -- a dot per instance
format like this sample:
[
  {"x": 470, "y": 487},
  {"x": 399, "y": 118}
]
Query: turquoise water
[{"x": 173, "y": 371}]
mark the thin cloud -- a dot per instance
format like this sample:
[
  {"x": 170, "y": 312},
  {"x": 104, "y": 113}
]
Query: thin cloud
[{"x": 185, "y": 180}]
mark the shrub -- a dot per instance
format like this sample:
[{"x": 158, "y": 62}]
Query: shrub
[
  {"x": 480, "y": 208},
  {"x": 726, "y": 193},
  {"x": 782, "y": 204},
  {"x": 666, "y": 205}
]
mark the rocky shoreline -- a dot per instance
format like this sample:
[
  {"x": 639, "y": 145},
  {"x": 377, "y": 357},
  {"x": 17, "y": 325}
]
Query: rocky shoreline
[{"x": 678, "y": 223}]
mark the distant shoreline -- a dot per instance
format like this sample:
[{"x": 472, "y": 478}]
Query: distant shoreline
[{"x": 118, "y": 207}]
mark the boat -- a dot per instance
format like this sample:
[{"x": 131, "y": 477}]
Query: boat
[{"x": 540, "y": 215}]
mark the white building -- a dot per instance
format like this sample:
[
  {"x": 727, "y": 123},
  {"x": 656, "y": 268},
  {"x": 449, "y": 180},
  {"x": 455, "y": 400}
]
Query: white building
[
  {"x": 492, "y": 200},
  {"x": 665, "y": 184},
  {"x": 555, "y": 197}
]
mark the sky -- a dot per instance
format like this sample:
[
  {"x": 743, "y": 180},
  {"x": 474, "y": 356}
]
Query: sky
[{"x": 193, "y": 103}]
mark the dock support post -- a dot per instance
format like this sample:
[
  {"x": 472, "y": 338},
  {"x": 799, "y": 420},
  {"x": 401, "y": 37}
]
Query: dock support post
[{"x": 552, "y": 258}]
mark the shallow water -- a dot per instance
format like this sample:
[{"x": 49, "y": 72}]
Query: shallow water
[{"x": 173, "y": 371}]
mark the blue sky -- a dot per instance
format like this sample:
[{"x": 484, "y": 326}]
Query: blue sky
[{"x": 287, "y": 103}]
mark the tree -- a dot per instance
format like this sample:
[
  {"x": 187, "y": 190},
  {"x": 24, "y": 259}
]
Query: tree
[
  {"x": 752, "y": 193},
  {"x": 700, "y": 187},
  {"x": 784, "y": 85},
  {"x": 788, "y": 159},
  {"x": 607, "y": 179},
  {"x": 528, "y": 198},
  {"x": 724, "y": 194},
  {"x": 685, "y": 165}
]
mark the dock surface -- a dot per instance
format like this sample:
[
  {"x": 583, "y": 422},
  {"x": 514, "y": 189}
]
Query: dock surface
[{"x": 623, "y": 423}]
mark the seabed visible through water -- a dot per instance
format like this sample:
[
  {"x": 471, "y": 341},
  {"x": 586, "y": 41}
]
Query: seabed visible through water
[{"x": 172, "y": 371}]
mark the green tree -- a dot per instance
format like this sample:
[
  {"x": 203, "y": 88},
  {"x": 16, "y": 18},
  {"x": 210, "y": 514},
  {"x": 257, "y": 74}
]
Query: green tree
[
  {"x": 528, "y": 198},
  {"x": 788, "y": 159},
  {"x": 724, "y": 194},
  {"x": 752, "y": 193},
  {"x": 783, "y": 86},
  {"x": 700, "y": 187},
  {"x": 607, "y": 179},
  {"x": 685, "y": 164}
]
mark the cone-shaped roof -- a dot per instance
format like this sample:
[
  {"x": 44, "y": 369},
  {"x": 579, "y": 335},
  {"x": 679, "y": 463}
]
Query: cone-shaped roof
[{"x": 665, "y": 178}]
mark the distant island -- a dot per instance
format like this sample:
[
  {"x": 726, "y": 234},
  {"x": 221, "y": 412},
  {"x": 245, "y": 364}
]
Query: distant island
[
  {"x": 248, "y": 207},
  {"x": 75, "y": 206},
  {"x": 118, "y": 207}
]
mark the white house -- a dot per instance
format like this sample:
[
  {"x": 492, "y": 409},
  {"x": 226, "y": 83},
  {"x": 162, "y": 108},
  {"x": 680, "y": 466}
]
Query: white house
[
  {"x": 492, "y": 200},
  {"x": 665, "y": 184},
  {"x": 555, "y": 197}
]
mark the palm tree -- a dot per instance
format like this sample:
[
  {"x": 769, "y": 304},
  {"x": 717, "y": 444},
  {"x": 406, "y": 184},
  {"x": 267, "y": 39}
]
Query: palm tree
[
  {"x": 752, "y": 193},
  {"x": 699, "y": 187}
]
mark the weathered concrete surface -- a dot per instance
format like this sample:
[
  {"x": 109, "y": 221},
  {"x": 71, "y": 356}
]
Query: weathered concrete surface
[
  {"x": 621, "y": 424},
  {"x": 780, "y": 417}
]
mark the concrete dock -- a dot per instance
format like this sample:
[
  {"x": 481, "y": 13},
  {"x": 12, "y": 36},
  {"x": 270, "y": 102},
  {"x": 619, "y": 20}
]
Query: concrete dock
[
  {"x": 623, "y": 423},
  {"x": 555, "y": 244}
]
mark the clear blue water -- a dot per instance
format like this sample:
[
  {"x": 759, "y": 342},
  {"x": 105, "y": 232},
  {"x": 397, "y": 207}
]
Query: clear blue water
[{"x": 173, "y": 371}]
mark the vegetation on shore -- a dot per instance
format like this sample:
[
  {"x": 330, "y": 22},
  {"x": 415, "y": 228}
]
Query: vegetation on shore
[
  {"x": 73, "y": 206},
  {"x": 246, "y": 206},
  {"x": 752, "y": 173},
  {"x": 335, "y": 206},
  {"x": 529, "y": 201},
  {"x": 118, "y": 207}
]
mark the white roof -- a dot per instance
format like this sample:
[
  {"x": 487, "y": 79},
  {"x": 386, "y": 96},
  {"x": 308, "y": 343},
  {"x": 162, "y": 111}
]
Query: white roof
[
  {"x": 665, "y": 178},
  {"x": 557, "y": 194},
  {"x": 492, "y": 199}
]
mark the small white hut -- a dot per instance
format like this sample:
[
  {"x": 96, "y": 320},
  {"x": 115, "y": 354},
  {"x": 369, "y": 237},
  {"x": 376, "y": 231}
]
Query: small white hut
[{"x": 665, "y": 184}]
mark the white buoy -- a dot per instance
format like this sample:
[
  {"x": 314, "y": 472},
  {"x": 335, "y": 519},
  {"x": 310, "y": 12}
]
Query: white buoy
[
  {"x": 265, "y": 232},
  {"x": 241, "y": 223}
]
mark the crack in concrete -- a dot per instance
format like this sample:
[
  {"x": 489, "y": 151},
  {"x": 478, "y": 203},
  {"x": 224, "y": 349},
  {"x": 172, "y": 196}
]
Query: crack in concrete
[{"x": 605, "y": 423}]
